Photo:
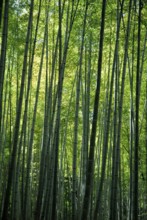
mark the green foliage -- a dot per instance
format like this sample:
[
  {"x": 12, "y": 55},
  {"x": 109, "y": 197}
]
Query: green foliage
[{"x": 45, "y": 138}]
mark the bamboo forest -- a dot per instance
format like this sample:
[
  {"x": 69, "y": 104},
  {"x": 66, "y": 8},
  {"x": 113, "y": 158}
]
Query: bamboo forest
[{"x": 73, "y": 109}]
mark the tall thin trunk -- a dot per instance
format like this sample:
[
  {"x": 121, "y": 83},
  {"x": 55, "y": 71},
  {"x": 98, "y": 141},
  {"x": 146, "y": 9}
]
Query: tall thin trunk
[
  {"x": 24, "y": 124},
  {"x": 17, "y": 121},
  {"x": 131, "y": 126},
  {"x": 86, "y": 110},
  {"x": 1, "y": 10},
  {"x": 136, "y": 147},
  {"x": 106, "y": 135},
  {"x": 146, "y": 148},
  {"x": 3, "y": 58},
  {"x": 62, "y": 62},
  {"x": 116, "y": 144},
  {"x": 90, "y": 164},
  {"x": 74, "y": 203},
  {"x": 57, "y": 126},
  {"x": 30, "y": 145}
]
